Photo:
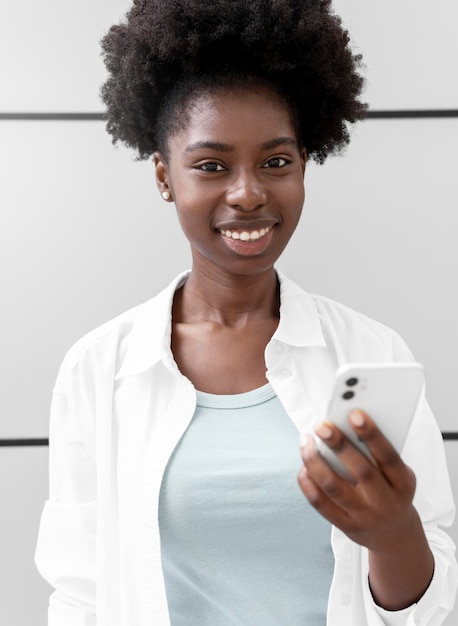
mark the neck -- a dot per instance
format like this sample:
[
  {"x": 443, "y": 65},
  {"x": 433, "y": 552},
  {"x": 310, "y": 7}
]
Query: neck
[{"x": 230, "y": 300}]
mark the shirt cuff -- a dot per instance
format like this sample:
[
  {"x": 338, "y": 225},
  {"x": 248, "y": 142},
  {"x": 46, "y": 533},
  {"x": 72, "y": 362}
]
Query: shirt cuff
[
  {"x": 395, "y": 618},
  {"x": 432, "y": 607}
]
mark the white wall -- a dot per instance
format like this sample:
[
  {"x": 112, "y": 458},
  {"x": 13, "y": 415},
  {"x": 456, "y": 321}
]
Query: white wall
[{"x": 379, "y": 229}]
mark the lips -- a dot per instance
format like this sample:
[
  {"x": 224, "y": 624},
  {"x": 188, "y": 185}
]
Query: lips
[
  {"x": 247, "y": 241},
  {"x": 245, "y": 234}
]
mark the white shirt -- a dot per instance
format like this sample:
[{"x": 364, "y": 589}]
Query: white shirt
[{"x": 120, "y": 406}]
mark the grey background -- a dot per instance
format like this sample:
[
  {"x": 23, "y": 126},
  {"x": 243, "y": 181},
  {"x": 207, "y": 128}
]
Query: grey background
[{"x": 86, "y": 236}]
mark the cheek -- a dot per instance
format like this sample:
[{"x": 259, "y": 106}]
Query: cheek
[
  {"x": 193, "y": 218},
  {"x": 195, "y": 205},
  {"x": 294, "y": 198}
]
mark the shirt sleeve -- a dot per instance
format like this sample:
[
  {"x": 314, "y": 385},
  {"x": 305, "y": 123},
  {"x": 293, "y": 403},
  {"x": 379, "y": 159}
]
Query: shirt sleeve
[
  {"x": 424, "y": 452},
  {"x": 66, "y": 549}
]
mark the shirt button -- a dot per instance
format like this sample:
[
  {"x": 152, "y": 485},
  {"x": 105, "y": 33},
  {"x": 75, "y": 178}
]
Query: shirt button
[
  {"x": 286, "y": 373},
  {"x": 346, "y": 600},
  {"x": 278, "y": 348}
]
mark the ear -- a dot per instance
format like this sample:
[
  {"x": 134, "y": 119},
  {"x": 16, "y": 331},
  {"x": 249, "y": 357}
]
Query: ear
[
  {"x": 303, "y": 159},
  {"x": 162, "y": 176}
]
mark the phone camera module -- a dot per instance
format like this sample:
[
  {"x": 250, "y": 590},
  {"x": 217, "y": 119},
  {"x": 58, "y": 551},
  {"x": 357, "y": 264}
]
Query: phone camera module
[
  {"x": 348, "y": 395},
  {"x": 351, "y": 382}
]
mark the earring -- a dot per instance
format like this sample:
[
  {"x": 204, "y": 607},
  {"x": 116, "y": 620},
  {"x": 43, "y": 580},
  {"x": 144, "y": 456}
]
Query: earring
[{"x": 166, "y": 195}]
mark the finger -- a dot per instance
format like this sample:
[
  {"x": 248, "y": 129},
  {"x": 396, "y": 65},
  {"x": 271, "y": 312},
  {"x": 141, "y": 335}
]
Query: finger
[
  {"x": 362, "y": 469},
  {"x": 393, "y": 468},
  {"x": 332, "y": 485},
  {"x": 322, "y": 503}
]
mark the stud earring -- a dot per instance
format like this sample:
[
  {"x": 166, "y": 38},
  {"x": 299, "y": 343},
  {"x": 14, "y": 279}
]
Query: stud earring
[{"x": 166, "y": 195}]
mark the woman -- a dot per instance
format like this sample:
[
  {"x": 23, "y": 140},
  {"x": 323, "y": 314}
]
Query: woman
[{"x": 174, "y": 427}]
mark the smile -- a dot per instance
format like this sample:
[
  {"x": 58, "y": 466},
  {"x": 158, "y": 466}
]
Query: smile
[{"x": 244, "y": 235}]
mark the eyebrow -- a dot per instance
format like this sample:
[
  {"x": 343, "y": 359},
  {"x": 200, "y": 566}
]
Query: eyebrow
[
  {"x": 226, "y": 147},
  {"x": 279, "y": 141},
  {"x": 212, "y": 145}
]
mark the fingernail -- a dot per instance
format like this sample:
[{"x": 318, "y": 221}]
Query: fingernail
[
  {"x": 357, "y": 418},
  {"x": 302, "y": 472},
  {"x": 323, "y": 431},
  {"x": 303, "y": 439}
]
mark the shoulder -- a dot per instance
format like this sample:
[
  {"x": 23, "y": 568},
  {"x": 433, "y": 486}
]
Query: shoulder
[
  {"x": 354, "y": 335},
  {"x": 345, "y": 318},
  {"x": 94, "y": 347},
  {"x": 359, "y": 336},
  {"x": 104, "y": 348}
]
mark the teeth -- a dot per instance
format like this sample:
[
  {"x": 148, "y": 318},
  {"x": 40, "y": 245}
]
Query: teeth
[{"x": 245, "y": 235}]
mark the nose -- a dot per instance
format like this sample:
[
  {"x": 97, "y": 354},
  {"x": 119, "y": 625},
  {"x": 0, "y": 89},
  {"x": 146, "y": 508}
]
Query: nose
[{"x": 246, "y": 192}]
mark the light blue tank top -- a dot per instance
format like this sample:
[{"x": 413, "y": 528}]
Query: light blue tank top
[{"x": 241, "y": 546}]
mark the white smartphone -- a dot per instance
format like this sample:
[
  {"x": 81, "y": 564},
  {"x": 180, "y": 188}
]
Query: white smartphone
[{"x": 388, "y": 392}]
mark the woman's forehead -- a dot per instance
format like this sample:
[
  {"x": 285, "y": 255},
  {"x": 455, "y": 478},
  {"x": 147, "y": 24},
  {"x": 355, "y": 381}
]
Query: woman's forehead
[{"x": 229, "y": 112}]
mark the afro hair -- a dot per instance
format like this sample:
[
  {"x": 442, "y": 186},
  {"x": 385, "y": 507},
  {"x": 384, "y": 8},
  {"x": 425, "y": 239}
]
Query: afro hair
[{"x": 164, "y": 51}]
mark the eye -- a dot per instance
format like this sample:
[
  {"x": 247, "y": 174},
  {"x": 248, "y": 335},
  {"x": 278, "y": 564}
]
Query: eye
[
  {"x": 211, "y": 166},
  {"x": 276, "y": 162}
]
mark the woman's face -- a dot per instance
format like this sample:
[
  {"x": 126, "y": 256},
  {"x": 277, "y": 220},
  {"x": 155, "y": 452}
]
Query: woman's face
[{"x": 236, "y": 174}]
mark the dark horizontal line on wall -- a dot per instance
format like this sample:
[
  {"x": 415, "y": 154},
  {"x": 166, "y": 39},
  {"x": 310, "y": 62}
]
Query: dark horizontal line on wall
[
  {"x": 371, "y": 115},
  {"x": 450, "y": 436},
  {"x": 17, "y": 443},
  {"x": 411, "y": 114},
  {"x": 52, "y": 117}
]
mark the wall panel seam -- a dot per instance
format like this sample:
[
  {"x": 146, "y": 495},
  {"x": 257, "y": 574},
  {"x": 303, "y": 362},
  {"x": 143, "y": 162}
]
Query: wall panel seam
[
  {"x": 99, "y": 116},
  {"x": 17, "y": 443}
]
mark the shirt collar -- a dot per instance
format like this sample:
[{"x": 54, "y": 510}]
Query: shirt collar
[
  {"x": 300, "y": 323},
  {"x": 151, "y": 331}
]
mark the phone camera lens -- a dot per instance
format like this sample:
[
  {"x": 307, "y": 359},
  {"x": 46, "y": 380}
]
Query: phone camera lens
[
  {"x": 348, "y": 395},
  {"x": 351, "y": 382}
]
